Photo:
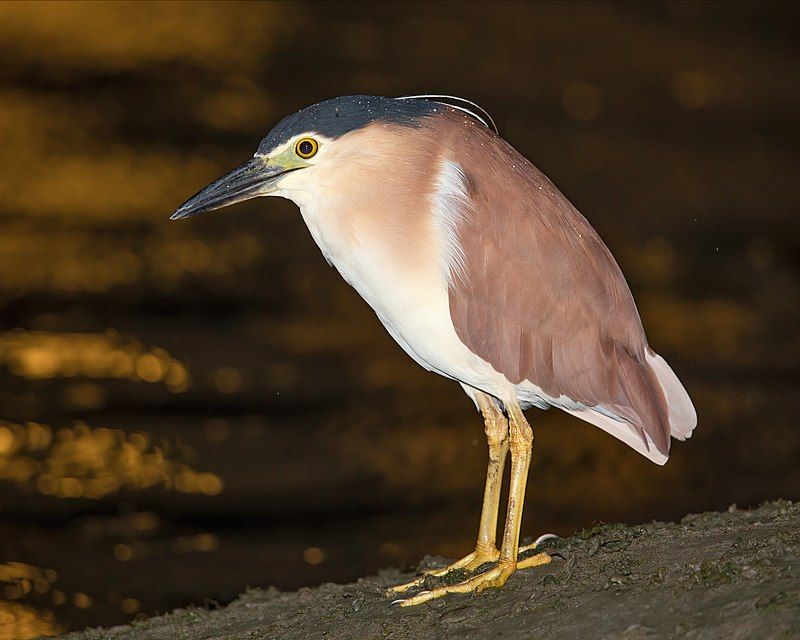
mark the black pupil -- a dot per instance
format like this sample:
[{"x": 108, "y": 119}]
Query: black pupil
[{"x": 306, "y": 148}]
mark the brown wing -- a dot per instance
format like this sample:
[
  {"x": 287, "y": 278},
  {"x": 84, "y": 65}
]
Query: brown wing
[{"x": 541, "y": 297}]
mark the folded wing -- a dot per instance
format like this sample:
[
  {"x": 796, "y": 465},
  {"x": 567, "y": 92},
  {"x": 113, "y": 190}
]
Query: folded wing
[{"x": 542, "y": 299}]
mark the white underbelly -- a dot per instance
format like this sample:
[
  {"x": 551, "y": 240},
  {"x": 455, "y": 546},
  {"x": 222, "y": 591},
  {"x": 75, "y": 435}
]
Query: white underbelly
[
  {"x": 419, "y": 320},
  {"x": 416, "y": 312},
  {"x": 413, "y": 305}
]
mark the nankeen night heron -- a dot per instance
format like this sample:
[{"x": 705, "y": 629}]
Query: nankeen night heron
[{"x": 481, "y": 270}]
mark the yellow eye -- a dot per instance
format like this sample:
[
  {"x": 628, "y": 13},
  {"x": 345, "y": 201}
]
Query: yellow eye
[{"x": 306, "y": 147}]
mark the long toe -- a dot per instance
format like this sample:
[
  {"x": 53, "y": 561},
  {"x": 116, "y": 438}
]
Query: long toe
[
  {"x": 534, "y": 561},
  {"x": 469, "y": 562},
  {"x": 494, "y": 578}
]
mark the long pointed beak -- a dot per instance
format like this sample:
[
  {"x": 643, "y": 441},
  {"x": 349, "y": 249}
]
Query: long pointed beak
[{"x": 254, "y": 178}]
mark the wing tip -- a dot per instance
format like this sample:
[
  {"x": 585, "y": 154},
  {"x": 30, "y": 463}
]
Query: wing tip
[{"x": 682, "y": 413}]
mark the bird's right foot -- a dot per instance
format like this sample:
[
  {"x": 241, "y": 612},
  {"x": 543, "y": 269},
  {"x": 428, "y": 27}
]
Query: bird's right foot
[{"x": 469, "y": 562}]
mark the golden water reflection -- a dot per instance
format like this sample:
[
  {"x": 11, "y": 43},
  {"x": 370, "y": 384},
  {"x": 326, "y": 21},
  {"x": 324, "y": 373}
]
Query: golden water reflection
[
  {"x": 20, "y": 579},
  {"x": 86, "y": 462},
  {"x": 19, "y": 620},
  {"x": 22, "y": 621},
  {"x": 77, "y": 261},
  {"x": 38, "y": 355}
]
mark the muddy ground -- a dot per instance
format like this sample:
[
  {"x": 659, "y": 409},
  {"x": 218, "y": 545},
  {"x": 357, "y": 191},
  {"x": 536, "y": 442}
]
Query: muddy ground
[{"x": 715, "y": 575}]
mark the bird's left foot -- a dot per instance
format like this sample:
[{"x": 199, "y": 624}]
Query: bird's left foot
[
  {"x": 470, "y": 562},
  {"x": 493, "y": 578}
]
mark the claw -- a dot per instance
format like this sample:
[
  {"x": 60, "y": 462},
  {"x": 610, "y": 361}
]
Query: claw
[{"x": 535, "y": 544}]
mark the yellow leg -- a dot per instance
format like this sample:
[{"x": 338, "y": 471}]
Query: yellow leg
[
  {"x": 521, "y": 440},
  {"x": 496, "y": 427},
  {"x": 524, "y": 444}
]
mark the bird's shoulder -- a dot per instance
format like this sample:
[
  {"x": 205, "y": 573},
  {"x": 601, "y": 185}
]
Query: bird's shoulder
[{"x": 519, "y": 225}]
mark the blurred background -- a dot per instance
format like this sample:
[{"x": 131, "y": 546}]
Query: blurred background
[{"x": 189, "y": 409}]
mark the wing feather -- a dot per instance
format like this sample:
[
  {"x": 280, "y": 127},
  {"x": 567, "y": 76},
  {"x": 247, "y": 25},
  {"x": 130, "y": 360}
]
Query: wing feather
[{"x": 543, "y": 300}]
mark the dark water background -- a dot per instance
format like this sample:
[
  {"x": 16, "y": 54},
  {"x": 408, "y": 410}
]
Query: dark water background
[{"x": 189, "y": 409}]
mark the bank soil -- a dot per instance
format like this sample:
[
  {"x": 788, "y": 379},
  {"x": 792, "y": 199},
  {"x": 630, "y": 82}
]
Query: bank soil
[{"x": 727, "y": 575}]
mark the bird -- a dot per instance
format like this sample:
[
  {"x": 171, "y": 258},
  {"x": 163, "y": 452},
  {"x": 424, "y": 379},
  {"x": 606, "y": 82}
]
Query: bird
[{"x": 483, "y": 272}]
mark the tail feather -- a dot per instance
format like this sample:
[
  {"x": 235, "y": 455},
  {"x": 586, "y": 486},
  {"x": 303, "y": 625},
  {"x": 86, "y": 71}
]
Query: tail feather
[
  {"x": 656, "y": 406},
  {"x": 646, "y": 405},
  {"x": 682, "y": 414}
]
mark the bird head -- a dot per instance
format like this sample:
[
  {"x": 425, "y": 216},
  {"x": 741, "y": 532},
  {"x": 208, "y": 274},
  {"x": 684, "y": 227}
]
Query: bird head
[{"x": 305, "y": 150}]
